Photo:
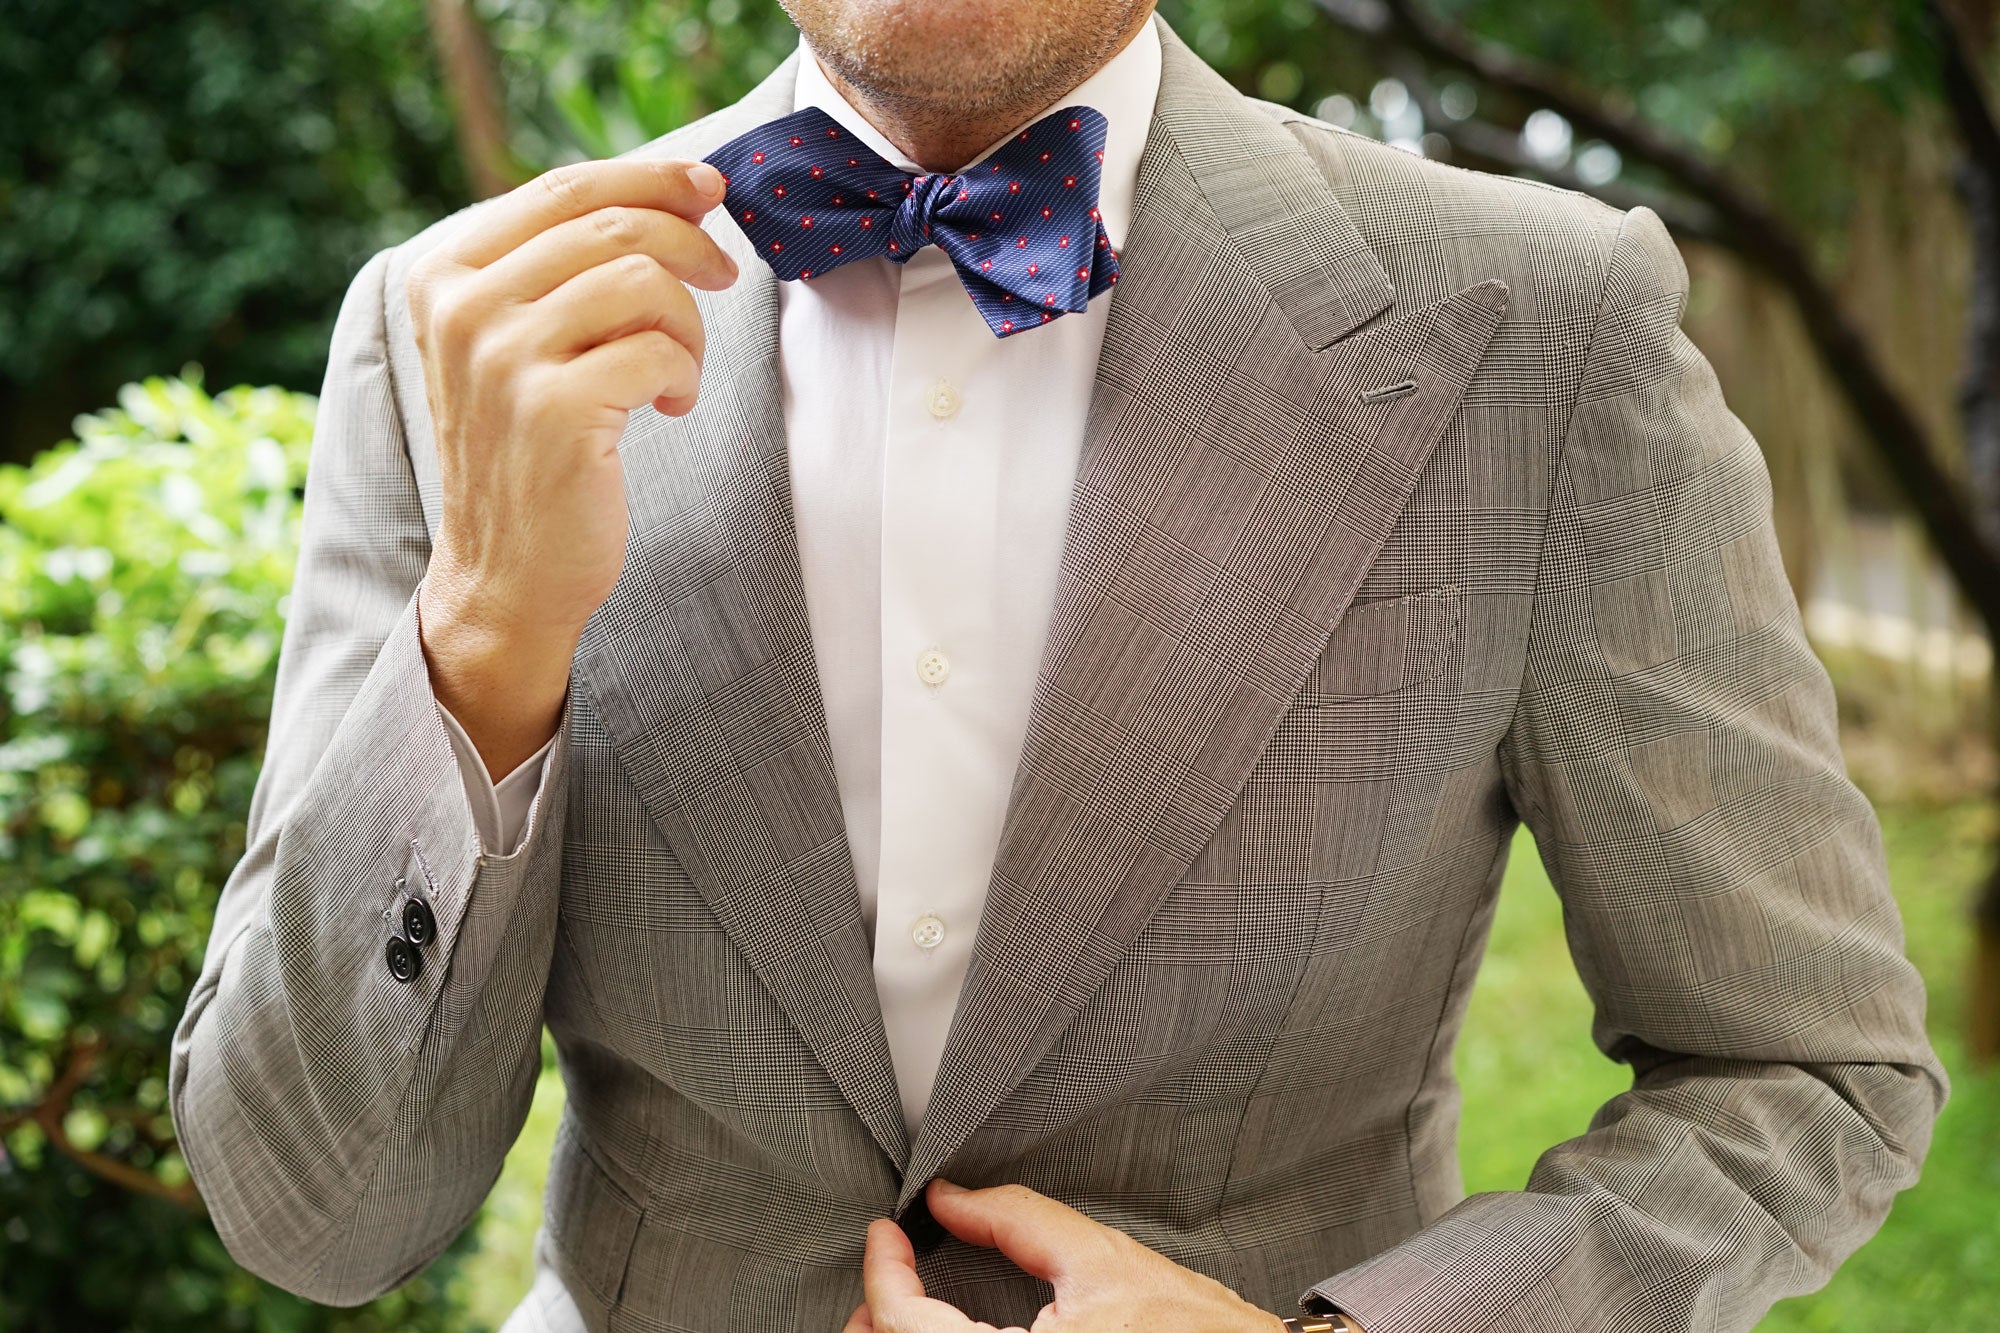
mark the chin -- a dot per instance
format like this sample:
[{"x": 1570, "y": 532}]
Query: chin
[{"x": 975, "y": 51}]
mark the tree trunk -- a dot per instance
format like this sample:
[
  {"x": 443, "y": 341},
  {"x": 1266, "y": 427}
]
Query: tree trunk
[
  {"x": 479, "y": 114},
  {"x": 1982, "y": 1025},
  {"x": 1978, "y": 182}
]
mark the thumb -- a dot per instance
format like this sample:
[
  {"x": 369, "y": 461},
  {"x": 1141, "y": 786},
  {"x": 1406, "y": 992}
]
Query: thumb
[
  {"x": 889, "y": 1266},
  {"x": 1044, "y": 1236}
]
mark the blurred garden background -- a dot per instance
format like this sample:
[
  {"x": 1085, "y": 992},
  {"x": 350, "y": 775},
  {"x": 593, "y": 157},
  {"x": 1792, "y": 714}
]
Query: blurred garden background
[{"x": 186, "y": 187}]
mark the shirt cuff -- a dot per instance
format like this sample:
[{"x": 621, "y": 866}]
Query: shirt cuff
[{"x": 499, "y": 811}]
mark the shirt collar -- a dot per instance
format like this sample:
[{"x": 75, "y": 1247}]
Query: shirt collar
[{"x": 1124, "y": 90}]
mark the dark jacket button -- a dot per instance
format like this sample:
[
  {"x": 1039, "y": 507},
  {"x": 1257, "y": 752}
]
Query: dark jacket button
[
  {"x": 925, "y": 1232},
  {"x": 404, "y": 962},
  {"x": 418, "y": 923}
]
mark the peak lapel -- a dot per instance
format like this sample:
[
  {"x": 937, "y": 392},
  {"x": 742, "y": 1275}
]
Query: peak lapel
[
  {"x": 701, "y": 665},
  {"x": 1235, "y": 486}
]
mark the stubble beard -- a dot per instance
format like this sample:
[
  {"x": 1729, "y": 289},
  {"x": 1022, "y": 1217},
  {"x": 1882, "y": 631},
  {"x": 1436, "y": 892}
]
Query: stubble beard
[{"x": 943, "y": 76}]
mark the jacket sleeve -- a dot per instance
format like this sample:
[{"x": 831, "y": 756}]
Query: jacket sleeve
[
  {"x": 342, "y": 1125},
  {"x": 1724, "y": 892}
]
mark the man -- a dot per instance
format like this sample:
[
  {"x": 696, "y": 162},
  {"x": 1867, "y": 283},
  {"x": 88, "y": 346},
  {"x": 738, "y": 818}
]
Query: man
[{"x": 1041, "y": 782}]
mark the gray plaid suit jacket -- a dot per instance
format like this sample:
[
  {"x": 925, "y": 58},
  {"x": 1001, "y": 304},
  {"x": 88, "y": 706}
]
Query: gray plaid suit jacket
[{"x": 1406, "y": 511}]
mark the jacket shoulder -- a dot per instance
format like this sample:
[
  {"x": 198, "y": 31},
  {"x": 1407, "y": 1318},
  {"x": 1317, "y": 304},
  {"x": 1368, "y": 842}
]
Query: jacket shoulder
[{"x": 1438, "y": 228}]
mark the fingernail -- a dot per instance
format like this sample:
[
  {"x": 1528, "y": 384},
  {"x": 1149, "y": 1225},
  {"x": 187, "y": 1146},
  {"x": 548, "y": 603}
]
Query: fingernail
[
  {"x": 946, "y": 1187},
  {"x": 705, "y": 179}
]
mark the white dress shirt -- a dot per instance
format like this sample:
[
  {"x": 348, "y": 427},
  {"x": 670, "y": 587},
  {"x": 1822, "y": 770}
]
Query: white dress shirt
[{"x": 931, "y": 466}]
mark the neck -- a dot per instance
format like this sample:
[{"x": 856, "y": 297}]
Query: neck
[{"x": 945, "y": 136}]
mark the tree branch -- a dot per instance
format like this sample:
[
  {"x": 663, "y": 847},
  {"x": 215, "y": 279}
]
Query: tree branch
[
  {"x": 1978, "y": 184},
  {"x": 48, "y": 1114},
  {"x": 1760, "y": 237},
  {"x": 1499, "y": 149}
]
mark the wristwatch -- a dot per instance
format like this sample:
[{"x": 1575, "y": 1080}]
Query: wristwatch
[{"x": 1322, "y": 1323}]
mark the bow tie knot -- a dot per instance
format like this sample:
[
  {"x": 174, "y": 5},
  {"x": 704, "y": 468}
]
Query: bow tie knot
[
  {"x": 1022, "y": 227},
  {"x": 928, "y": 196}
]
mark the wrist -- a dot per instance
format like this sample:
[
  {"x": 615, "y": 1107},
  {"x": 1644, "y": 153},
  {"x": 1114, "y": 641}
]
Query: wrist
[
  {"x": 504, "y": 685},
  {"x": 481, "y": 615}
]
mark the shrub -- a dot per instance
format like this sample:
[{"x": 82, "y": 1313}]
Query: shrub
[
  {"x": 143, "y": 574},
  {"x": 199, "y": 180}
]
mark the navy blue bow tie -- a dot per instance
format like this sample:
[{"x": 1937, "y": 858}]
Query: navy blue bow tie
[{"x": 1022, "y": 227}]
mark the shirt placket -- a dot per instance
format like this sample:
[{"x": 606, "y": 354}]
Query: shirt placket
[{"x": 940, "y": 483}]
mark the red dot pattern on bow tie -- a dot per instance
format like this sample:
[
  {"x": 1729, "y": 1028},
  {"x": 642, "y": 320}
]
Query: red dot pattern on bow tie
[{"x": 1037, "y": 193}]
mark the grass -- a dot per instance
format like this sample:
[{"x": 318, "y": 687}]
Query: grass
[{"x": 1532, "y": 1078}]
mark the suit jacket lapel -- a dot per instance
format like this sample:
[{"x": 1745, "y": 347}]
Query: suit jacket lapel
[
  {"x": 1234, "y": 487},
  {"x": 701, "y": 665}
]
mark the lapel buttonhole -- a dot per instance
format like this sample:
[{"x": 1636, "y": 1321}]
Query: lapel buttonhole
[{"x": 1396, "y": 390}]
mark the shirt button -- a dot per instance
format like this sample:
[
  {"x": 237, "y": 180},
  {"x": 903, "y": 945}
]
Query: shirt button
[
  {"x": 932, "y": 666},
  {"x": 927, "y": 932},
  {"x": 942, "y": 400}
]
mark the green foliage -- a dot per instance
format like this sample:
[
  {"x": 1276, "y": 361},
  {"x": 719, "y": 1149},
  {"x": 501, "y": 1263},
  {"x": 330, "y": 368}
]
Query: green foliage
[
  {"x": 198, "y": 179},
  {"x": 143, "y": 575},
  {"x": 593, "y": 78},
  {"x": 1794, "y": 99}
]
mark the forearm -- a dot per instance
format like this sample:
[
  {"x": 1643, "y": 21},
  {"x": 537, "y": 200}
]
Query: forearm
[
  {"x": 1687, "y": 1200},
  {"x": 307, "y": 1080}
]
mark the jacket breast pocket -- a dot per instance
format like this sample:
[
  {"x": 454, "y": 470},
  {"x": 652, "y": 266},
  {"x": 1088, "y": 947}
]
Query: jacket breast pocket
[
  {"x": 1360, "y": 763},
  {"x": 1386, "y": 646}
]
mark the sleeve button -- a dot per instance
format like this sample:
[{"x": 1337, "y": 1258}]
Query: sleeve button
[
  {"x": 418, "y": 922},
  {"x": 404, "y": 962}
]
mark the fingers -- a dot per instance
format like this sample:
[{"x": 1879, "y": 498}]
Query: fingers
[
  {"x": 889, "y": 1266},
  {"x": 896, "y": 1302},
  {"x": 636, "y": 370},
  {"x": 1043, "y": 1236},
  {"x": 605, "y": 303},
  {"x": 687, "y": 189},
  {"x": 546, "y": 261}
]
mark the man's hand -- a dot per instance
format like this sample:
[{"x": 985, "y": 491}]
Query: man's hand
[
  {"x": 559, "y": 309},
  {"x": 1104, "y": 1279}
]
